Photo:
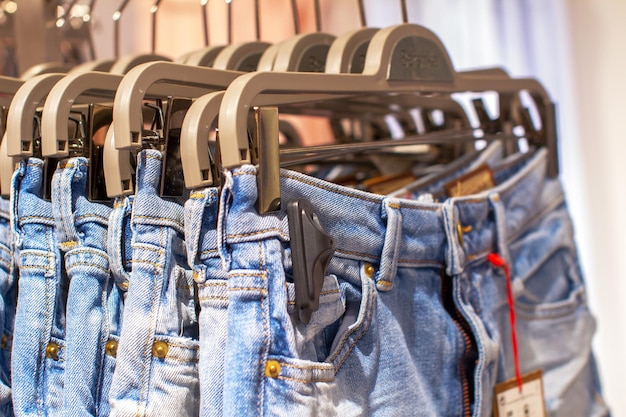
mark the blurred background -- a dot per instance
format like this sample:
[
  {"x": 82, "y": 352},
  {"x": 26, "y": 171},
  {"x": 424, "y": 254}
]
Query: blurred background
[{"x": 576, "y": 48}]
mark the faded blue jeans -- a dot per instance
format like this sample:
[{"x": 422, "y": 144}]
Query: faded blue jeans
[
  {"x": 8, "y": 300},
  {"x": 81, "y": 228},
  {"x": 419, "y": 326},
  {"x": 156, "y": 372},
  {"x": 39, "y": 352}
]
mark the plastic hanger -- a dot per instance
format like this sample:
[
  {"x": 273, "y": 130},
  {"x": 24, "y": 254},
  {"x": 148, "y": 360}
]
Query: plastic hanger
[
  {"x": 117, "y": 167},
  {"x": 391, "y": 67}
]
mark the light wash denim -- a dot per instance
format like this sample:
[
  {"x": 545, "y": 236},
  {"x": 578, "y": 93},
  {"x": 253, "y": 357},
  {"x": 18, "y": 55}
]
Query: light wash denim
[
  {"x": 81, "y": 230},
  {"x": 119, "y": 250},
  {"x": 420, "y": 325},
  {"x": 156, "y": 373},
  {"x": 8, "y": 300},
  {"x": 39, "y": 353},
  {"x": 201, "y": 240}
]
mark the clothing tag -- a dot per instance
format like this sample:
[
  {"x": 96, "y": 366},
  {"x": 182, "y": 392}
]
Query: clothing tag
[
  {"x": 510, "y": 402},
  {"x": 388, "y": 183},
  {"x": 476, "y": 181}
]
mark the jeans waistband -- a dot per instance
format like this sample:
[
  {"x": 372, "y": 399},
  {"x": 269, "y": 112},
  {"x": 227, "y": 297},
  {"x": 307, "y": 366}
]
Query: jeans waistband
[
  {"x": 78, "y": 220},
  {"x": 380, "y": 229}
]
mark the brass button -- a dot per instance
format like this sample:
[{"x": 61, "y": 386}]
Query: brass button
[
  {"x": 369, "y": 270},
  {"x": 111, "y": 348},
  {"x": 461, "y": 230},
  {"x": 52, "y": 351},
  {"x": 159, "y": 349},
  {"x": 272, "y": 369},
  {"x": 123, "y": 285}
]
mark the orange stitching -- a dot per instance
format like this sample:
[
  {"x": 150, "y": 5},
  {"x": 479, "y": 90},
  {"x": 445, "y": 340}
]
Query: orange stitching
[
  {"x": 261, "y": 290},
  {"x": 87, "y": 264}
]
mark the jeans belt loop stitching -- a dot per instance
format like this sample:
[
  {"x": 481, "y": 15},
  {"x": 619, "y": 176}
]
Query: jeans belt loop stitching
[{"x": 391, "y": 245}]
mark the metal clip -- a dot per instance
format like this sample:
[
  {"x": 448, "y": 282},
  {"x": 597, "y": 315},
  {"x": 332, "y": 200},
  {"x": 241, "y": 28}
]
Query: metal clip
[{"x": 311, "y": 251}]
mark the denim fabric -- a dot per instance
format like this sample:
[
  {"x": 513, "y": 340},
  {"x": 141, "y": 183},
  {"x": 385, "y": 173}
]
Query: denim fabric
[
  {"x": 39, "y": 354},
  {"x": 8, "y": 299},
  {"x": 420, "y": 326},
  {"x": 156, "y": 373},
  {"x": 81, "y": 229},
  {"x": 119, "y": 250},
  {"x": 201, "y": 240},
  {"x": 525, "y": 220}
]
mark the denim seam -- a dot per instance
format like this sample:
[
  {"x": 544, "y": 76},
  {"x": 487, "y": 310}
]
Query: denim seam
[
  {"x": 259, "y": 232},
  {"x": 87, "y": 250},
  {"x": 104, "y": 336},
  {"x": 92, "y": 215},
  {"x": 77, "y": 264},
  {"x": 169, "y": 219},
  {"x": 213, "y": 284},
  {"x": 66, "y": 232},
  {"x": 35, "y": 217},
  {"x": 150, "y": 336},
  {"x": 42, "y": 340},
  {"x": 266, "y": 330},
  {"x": 213, "y": 297},
  {"x": 181, "y": 360}
]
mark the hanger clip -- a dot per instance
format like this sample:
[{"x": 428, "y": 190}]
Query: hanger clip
[{"x": 311, "y": 251}]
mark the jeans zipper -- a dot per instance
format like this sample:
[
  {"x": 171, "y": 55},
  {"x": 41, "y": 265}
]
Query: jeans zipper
[{"x": 468, "y": 362}]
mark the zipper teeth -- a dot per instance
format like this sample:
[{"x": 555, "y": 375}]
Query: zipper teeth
[{"x": 467, "y": 411}]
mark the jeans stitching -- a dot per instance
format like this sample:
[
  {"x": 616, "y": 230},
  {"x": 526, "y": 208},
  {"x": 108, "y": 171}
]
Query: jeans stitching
[{"x": 266, "y": 332}]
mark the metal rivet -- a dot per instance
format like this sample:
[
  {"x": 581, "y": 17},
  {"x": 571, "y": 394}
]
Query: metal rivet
[
  {"x": 495, "y": 198},
  {"x": 461, "y": 230},
  {"x": 111, "y": 348},
  {"x": 123, "y": 285},
  {"x": 52, "y": 351},
  {"x": 272, "y": 369},
  {"x": 159, "y": 349},
  {"x": 5, "y": 341},
  {"x": 369, "y": 270}
]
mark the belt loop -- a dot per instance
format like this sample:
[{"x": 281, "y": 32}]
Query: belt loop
[
  {"x": 16, "y": 181},
  {"x": 116, "y": 239},
  {"x": 390, "y": 253},
  {"x": 501, "y": 232},
  {"x": 455, "y": 252},
  {"x": 63, "y": 202},
  {"x": 226, "y": 198},
  {"x": 194, "y": 210}
]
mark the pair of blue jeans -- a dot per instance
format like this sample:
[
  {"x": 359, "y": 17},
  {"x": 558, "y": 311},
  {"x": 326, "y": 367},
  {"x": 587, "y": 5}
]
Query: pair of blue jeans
[
  {"x": 81, "y": 230},
  {"x": 8, "y": 300},
  {"x": 419, "y": 324},
  {"x": 156, "y": 370},
  {"x": 39, "y": 350}
]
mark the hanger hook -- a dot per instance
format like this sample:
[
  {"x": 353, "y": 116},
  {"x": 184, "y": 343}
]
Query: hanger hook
[
  {"x": 153, "y": 11},
  {"x": 205, "y": 21},
  {"x": 318, "y": 16},
  {"x": 362, "y": 13},
  {"x": 257, "y": 21},
  {"x": 296, "y": 21},
  {"x": 116, "y": 26},
  {"x": 229, "y": 10},
  {"x": 405, "y": 14},
  {"x": 92, "y": 49}
]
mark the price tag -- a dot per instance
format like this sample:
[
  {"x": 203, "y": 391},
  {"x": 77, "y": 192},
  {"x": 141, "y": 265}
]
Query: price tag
[{"x": 510, "y": 402}]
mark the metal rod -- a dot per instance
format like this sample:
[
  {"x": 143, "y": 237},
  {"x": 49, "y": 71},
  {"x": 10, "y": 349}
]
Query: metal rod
[
  {"x": 229, "y": 8},
  {"x": 116, "y": 26},
  {"x": 92, "y": 49},
  {"x": 405, "y": 14},
  {"x": 296, "y": 20},
  {"x": 362, "y": 13},
  {"x": 205, "y": 21},
  {"x": 257, "y": 20},
  {"x": 153, "y": 11},
  {"x": 318, "y": 16},
  {"x": 424, "y": 139}
]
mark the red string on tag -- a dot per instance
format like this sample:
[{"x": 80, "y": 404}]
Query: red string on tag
[{"x": 497, "y": 261}]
